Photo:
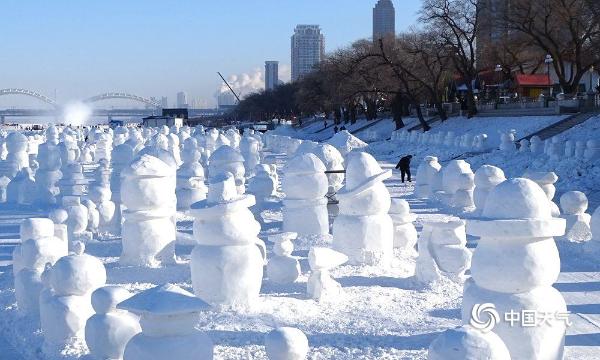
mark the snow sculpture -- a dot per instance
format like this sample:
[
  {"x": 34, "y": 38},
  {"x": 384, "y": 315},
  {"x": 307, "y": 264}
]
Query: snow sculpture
[
  {"x": 487, "y": 177},
  {"x": 463, "y": 197},
  {"x": 103, "y": 147},
  {"x": 480, "y": 143},
  {"x": 546, "y": 181},
  {"x": 93, "y": 216},
  {"x": 38, "y": 247},
  {"x": 108, "y": 331},
  {"x": 537, "y": 145},
  {"x": 169, "y": 315},
  {"x": 556, "y": 150},
  {"x": 468, "y": 343},
  {"x": 283, "y": 268},
  {"x": 574, "y": 205},
  {"x": 190, "y": 177},
  {"x": 507, "y": 141},
  {"x": 18, "y": 191},
  {"x": 427, "y": 176},
  {"x": 59, "y": 217},
  {"x": 346, "y": 142},
  {"x": 249, "y": 149},
  {"x": 87, "y": 154},
  {"x": 580, "y": 149},
  {"x": 452, "y": 179},
  {"x": 449, "y": 139},
  {"x": 569, "y": 149},
  {"x": 17, "y": 157},
  {"x": 65, "y": 302},
  {"x": 405, "y": 234},
  {"x": 120, "y": 137},
  {"x": 286, "y": 343},
  {"x": 593, "y": 246},
  {"x": 333, "y": 160},
  {"x": 121, "y": 157},
  {"x": 4, "y": 181},
  {"x": 234, "y": 138},
  {"x": 320, "y": 285},
  {"x": 211, "y": 140},
  {"x": 305, "y": 206},
  {"x": 174, "y": 147},
  {"x": 227, "y": 264},
  {"x": 263, "y": 187},
  {"x": 73, "y": 182},
  {"x": 363, "y": 229},
  {"x": 524, "y": 146},
  {"x": 514, "y": 266},
  {"x": 100, "y": 194},
  {"x": 442, "y": 251},
  {"x": 77, "y": 222},
  {"x": 148, "y": 193},
  {"x": 228, "y": 160},
  {"x": 592, "y": 150}
]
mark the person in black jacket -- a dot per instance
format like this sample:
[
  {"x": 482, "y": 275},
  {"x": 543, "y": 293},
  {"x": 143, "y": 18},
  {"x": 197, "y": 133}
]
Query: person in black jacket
[{"x": 404, "y": 166}]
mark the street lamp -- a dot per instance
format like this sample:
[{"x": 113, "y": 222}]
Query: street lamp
[
  {"x": 549, "y": 60},
  {"x": 498, "y": 71}
]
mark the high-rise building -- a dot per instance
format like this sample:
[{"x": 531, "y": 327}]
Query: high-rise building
[
  {"x": 271, "y": 74},
  {"x": 182, "y": 101},
  {"x": 308, "y": 49},
  {"x": 384, "y": 19},
  {"x": 226, "y": 99},
  {"x": 164, "y": 102}
]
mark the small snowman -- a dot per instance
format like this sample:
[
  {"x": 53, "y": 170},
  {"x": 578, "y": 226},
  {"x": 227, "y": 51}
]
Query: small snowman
[
  {"x": 108, "y": 331},
  {"x": 574, "y": 205},
  {"x": 286, "y": 343},
  {"x": 321, "y": 285},
  {"x": 93, "y": 216},
  {"x": 405, "y": 234},
  {"x": 283, "y": 268}
]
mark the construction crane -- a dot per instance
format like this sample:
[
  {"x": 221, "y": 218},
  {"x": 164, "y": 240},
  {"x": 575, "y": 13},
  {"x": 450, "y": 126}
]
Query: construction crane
[{"x": 226, "y": 83}]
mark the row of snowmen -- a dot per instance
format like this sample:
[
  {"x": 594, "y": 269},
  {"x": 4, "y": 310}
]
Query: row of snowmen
[
  {"x": 515, "y": 263},
  {"x": 465, "y": 142},
  {"x": 557, "y": 149}
]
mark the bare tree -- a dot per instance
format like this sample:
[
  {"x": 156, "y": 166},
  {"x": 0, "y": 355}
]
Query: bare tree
[
  {"x": 455, "y": 22},
  {"x": 568, "y": 30}
]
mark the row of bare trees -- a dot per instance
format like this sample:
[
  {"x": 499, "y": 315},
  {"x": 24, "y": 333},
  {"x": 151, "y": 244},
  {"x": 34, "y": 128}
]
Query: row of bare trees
[{"x": 423, "y": 65}]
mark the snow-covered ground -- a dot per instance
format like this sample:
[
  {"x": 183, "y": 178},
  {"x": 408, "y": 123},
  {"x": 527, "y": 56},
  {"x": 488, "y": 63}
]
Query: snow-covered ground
[{"x": 384, "y": 314}]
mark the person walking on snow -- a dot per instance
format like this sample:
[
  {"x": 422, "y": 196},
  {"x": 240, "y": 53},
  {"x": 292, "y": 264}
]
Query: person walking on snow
[{"x": 404, "y": 166}]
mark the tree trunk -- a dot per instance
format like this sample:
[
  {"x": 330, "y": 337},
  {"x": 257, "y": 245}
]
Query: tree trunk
[
  {"x": 397, "y": 109},
  {"x": 441, "y": 111},
  {"x": 337, "y": 115},
  {"x": 424, "y": 123},
  {"x": 371, "y": 109},
  {"x": 353, "y": 114},
  {"x": 346, "y": 115},
  {"x": 471, "y": 105}
]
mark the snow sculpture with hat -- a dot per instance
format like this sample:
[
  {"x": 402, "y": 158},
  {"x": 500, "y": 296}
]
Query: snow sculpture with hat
[
  {"x": 190, "y": 176},
  {"x": 49, "y": 173},
  {"x": 487, "y": 178},
  {"x": 427, "y": 176},
  {"x": 65, "y": 302},
  {"x": 169, "y": 316},
  {"x": 320, "y": 285},
  {"x": 108, "y": 331},
  {"x": 227, "y": 264},
  {"x": 546, "y": 181},
  {"x": 305, "y": 206},
  {"x": 363, "y": 230},
  {"x": 333, "y": 160},
  {"x": 514, "y": 266},
  {"x": 148, "y": 193},
  {"x": 228, "y": 160}
]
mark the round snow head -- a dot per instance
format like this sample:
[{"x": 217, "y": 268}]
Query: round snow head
[
  {"x": 305, "y": 164},
  {"x": 468, "y": 343},
  {"x": 36, "y": 228},
  {"x": 517, "y": 199},
  {"x": 106, "y": 298},
  {"x": 595, "y": 224},
  {"x": 286, "y": 343},
  {"x": 77, "y": 274},
  {"x": 226, "y": 154},
  {"x": 362, "y": 169},
  {"x": 59, "y": 215},
  {"x": 400, "y": 207},
  {"x": 489, "y": 176},
  {"x": 574, "y": 202}
]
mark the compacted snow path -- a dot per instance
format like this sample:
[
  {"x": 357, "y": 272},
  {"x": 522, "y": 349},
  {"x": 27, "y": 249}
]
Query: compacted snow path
[{"x": 384, "y": 314}]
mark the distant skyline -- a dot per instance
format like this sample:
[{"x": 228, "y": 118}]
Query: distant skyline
[{"x": 158, "y": 48}]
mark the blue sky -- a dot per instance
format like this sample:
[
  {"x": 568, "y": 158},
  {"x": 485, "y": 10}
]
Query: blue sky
[{"x": 156, "y": 48}]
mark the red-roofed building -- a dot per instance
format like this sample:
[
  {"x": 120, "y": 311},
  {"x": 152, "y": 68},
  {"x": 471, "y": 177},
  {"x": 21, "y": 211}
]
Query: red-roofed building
[{"x": 532, "y": 85}]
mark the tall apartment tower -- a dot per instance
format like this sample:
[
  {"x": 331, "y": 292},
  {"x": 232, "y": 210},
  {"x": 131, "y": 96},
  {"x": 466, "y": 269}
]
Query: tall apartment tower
[
  {"x": 182, "y": 101},
  {"x": 308, "y": 49},
  {"x": 271, "y": 74},
  {"x": 384, "y": 19}
]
